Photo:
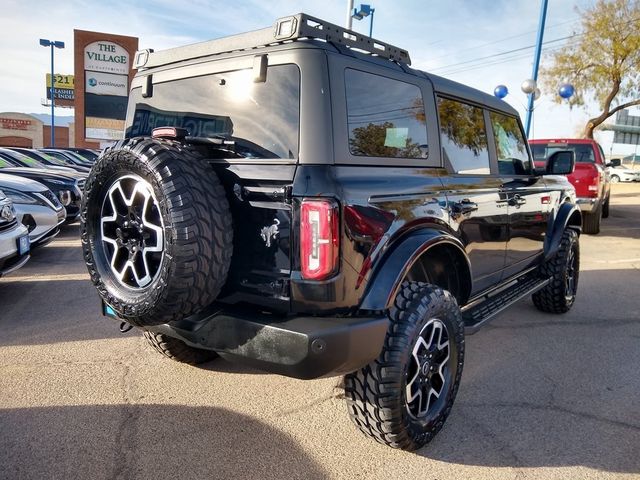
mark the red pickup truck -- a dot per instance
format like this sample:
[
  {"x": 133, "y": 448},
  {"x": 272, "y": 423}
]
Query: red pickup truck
[{"x": 590, "y": 179}]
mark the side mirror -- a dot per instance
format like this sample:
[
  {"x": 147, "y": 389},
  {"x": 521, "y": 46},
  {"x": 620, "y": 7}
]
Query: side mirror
[
  {"x": 615, "y": 162},
  {"x": 561, "y": 163}
]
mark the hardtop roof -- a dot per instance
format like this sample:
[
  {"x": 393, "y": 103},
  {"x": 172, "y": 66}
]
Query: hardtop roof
[{"x": 311, "y": 32}]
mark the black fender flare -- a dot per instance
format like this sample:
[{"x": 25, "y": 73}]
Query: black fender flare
[
  {"x": 568, "y": 216},
  {"x": 396, "y": 263}
]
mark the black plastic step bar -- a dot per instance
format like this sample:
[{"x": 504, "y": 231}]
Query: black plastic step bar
[{"x": 479, "y": 312}]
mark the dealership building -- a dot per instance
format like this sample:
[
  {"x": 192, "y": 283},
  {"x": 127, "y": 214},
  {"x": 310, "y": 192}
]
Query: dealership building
[{"x": 97, "y": 92}]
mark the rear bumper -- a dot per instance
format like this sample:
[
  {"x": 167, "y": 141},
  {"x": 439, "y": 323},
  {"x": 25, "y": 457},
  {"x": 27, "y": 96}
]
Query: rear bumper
[
  {"x": 298, "y": 347},
  {"x": 587, "y": 205}
]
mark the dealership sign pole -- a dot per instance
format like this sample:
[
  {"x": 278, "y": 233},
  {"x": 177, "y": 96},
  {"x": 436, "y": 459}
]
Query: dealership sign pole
[{"x": 57, "y": 44}]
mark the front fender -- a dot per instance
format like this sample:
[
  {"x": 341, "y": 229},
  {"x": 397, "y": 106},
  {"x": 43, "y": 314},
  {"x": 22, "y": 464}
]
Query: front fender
[
  {"x": 386, "y": 281},
  {"x": 568, "y": 216}
]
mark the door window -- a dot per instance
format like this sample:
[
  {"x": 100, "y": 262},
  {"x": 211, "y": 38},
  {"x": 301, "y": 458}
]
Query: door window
[
  {"x": 513, "y": 157},
  {"x": 386, "y": 117},
  {"x": 463, "y": 136}
]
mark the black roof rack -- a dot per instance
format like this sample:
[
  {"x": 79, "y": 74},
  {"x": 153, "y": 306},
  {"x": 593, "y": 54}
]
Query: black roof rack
[{"x": 284, "y": 30}]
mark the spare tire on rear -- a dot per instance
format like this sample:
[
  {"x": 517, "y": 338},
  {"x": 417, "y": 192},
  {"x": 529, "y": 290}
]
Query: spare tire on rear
[{"x": 156, "y": 230}]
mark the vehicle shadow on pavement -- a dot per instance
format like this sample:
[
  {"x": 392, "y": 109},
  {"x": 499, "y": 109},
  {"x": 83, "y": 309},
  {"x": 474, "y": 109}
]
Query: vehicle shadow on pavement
[
  {"x": 146, "y": 441},
  {"x": 51, "y": 299},
  {"x": 618, "y": 224},
  {"x": 542, "y": 390},
  {"x": 38, "y": 312}
]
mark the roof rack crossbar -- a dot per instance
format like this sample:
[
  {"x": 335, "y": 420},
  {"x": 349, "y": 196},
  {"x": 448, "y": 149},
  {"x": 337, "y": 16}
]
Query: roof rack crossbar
[{"x": 284, "y": 30}]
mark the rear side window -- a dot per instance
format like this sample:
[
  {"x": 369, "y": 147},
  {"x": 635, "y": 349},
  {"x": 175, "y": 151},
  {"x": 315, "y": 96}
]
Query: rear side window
[
  {"x": 386, "y": 117},
  {"x": 262, "y": 119},
  {"x": 463, "y": 136},
  {"x": 513, "y": 158}
]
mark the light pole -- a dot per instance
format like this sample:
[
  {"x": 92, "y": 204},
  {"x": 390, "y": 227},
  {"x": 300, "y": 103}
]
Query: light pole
[
  {"x": 349, "y": 21},
  {"x": 57, "y": 44},
  {"x": 536, "y": 63},
  {"x": 365, "y": 11}
]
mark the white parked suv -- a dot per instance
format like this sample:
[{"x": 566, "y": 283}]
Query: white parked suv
[{"x": 14, "y": 238}]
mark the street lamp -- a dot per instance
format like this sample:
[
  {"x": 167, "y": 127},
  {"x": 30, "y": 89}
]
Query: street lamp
[
  {"x": 57, "y": 44},
  {"x": 365, "y": 11}
]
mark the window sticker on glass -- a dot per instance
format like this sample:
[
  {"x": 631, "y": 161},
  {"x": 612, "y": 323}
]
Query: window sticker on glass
[
  {"x": 386, "y": 117},
  {"x": 396, "y": 137}
]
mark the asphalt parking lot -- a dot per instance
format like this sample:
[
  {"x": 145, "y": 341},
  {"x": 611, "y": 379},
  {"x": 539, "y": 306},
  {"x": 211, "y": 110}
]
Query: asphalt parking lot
[{"x": 542, "y": 396}]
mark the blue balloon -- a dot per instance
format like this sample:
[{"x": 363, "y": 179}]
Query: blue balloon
[
  {"x": 501, "y": 91},
  {"x": 566, "y": 90}
]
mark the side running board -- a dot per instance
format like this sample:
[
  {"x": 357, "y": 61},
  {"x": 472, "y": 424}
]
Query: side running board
[{"x": 479, "y": 312}]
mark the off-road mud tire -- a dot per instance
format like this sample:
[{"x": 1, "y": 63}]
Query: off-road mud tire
[
  {"x": 376, "y": 397},
  {"x": 178, "y": 350},
  {"x": 198, "y": 235},
  {"x": 554, "y": 298}
]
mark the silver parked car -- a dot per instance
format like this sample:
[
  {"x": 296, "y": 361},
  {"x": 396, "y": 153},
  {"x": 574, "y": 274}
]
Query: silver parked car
[
  {"x": 14, "y": 238},
  {"x": 36, "y": 207}
]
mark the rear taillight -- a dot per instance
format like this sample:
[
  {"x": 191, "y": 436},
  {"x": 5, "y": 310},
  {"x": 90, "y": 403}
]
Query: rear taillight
[
  {"x": 319, "y": 238},
  {"x": 594, "y": 183}
]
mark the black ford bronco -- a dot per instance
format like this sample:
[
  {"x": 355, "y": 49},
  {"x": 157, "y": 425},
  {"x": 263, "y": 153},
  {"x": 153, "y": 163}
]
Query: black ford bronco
[{"x": 300, "y": 199}]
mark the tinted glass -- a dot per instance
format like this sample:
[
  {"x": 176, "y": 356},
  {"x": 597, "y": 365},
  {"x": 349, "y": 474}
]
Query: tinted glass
[
  {"x": 263, "y": 119},
  {"x": 60, "y": 157},
  {"x": 23, "y": 160},
  {"x": 52, "y": 160},
  {"x": 513, "y": 157},
  {"x": 5, "y": 163},
  {"x": 583, "y": 151},
  {"x": 40, "y": 156},
  {"x": 463, "y": 136},
  {"x": 386, "y": 117}
]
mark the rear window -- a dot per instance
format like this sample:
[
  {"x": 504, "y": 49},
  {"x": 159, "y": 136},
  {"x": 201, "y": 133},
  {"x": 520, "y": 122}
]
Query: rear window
[
  {"x": 263, "y": 119},
  {"x": 584, "y": 151}
]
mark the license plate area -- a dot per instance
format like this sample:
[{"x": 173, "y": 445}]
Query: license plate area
[
  {"x": 108, "y": 311},
  {"x": 24, "y": 245}
]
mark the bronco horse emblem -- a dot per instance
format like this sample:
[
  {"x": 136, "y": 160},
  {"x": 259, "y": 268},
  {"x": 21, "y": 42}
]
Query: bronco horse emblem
[{"x": 270, "y": 232}]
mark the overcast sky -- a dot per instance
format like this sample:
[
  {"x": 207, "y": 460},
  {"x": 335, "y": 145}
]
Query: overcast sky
[{"x": 450, "y": 38}]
